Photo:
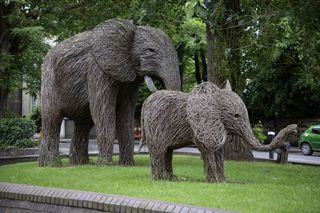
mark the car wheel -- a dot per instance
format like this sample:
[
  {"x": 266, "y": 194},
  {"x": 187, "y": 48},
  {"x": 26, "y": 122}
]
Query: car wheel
[{"x": 306, "y": 149}]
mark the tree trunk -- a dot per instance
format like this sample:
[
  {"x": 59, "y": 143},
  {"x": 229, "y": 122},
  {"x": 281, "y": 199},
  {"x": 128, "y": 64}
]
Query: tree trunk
[
  {"x": 3, "y": 50},
  {"x": 234, "y": 149},
  {"x": 180, "y": 51},
  {"x": 231, "y": 34},
  {"x": 229, "y": 37},
  {"x": 3, "y": 100},
  {"x": 204, "y": 66},
  {"x": 197, "y": 68},
  {"x": 212, "y": 69}
]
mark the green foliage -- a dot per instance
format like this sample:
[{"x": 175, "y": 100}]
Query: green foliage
[
  {"x": 277, "y": 58},
  {"x": 194, "y": 34},
  {"x": 16, "y": 132},
  {"x": 281, "y": 63},
  {"x": 250, "y": 187},
  {"x": 258, "y": 132},
  {"x": 22, "y": 48},
  {"x": 35, "y": 116},
  {"x": 10, "y": 114}
]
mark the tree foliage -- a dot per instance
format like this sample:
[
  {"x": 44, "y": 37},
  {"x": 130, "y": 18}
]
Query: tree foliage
[
  {"x": 281, "y": 61},
  {"x": 21, "y": 49},
  {"x": 268, "y": 49},
  {"x": 273, "y": 61},
  {"x": 16, "y": 132}
]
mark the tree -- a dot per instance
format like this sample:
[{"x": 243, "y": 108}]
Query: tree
[
  {"x": 22, "y": 35},
  {"x": 282, "y": 61},
  {"x": 21, "y": 49},
  {"x": 223, "y": 33}
]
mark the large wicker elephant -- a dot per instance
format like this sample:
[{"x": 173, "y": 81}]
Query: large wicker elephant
[
  {"x": 173, "y": 119},
  {"x": 93, "y": 78}
]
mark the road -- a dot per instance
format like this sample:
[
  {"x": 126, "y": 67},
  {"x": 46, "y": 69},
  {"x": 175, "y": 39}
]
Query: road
[{"x": 295, "y": 156}]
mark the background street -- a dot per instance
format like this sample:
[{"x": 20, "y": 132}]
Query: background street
[{"x": 295, "y": 155}]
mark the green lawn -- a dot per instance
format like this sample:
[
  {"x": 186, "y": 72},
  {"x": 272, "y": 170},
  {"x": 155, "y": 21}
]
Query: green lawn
[{"x": 250, "y": 186}]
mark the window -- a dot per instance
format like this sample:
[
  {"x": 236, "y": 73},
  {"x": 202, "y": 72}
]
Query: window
[
  {"x": 315, "y": 130},
  {"x": 33, "y": 102}
]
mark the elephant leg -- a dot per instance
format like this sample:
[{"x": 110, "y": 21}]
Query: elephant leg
[
  {"x": 213, "y": 165},
  {"x": 78, "y": 153},
  {"x": 49, "y": 150},
  {"x": 219, "y": 159},
  {"x": 158, "y": 165},
  {"x": 168, "y": 162},
  {"x": 103, "y": 93},
  {"x": 105, "y": 137},
  {"x": 126, "y": 101}
]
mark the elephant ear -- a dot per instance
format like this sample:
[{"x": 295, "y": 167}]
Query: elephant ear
[
  {"x": 203, "y": 114},
  {"x": 111, "y": 43}
]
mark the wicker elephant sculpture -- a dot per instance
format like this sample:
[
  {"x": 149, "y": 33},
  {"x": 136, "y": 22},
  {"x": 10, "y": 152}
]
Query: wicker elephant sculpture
[
  {"x": 93, "y": 78},
  {"x": 173, "y": 119}
]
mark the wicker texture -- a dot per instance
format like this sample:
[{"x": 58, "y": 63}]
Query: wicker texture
[
  {"x": 93, "y": 78},
  {"x": 172, "y": 119}
]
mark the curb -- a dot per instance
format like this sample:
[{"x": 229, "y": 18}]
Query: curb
[
  {"x": 35, "y": 198},
  {"x": 27, "y": 158}
]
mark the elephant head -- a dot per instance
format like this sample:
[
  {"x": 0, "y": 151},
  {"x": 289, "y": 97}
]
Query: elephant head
[
  {"x": 128, "y": 52},
  {"x": 213, "y": 113}
]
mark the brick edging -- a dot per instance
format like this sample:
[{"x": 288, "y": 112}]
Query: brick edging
[{"x": 95, "y": 201}]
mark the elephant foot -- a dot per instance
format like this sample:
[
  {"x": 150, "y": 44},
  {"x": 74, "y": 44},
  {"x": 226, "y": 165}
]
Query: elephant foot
[
  {"x": 48, "y": 160},
  {"x": 126, "y": 163},
  {"x": 214, "y": 172},
  {"x": 103, "y": 161},
  {"x": 217, "y": 178},
  {"x": 78, "y": 160},
  {"x": 162, "y": 176}
]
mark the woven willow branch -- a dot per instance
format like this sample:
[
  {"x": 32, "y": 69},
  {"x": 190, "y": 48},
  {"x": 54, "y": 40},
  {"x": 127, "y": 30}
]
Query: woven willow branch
[{"x": 172, "y": 119}]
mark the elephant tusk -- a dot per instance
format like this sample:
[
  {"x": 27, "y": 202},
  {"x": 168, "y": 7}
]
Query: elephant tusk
[{"x": 150, "y": 83}]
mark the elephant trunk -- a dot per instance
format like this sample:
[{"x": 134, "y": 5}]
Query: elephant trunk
[
  {"x": 279, "y": 140},
  {"x": 171, "y": 79}
]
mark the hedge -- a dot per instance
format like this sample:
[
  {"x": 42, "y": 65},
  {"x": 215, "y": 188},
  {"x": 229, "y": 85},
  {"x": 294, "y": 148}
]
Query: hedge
[{"x": 16, "y": 132}]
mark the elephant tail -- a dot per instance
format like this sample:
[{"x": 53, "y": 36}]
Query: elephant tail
[
  {"x": 141, "y": 144},
  {"x": 142, "y": 140}
]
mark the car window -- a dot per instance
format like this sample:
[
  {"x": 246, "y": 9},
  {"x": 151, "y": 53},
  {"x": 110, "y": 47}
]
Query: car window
[{"x": 315, "y": 130}]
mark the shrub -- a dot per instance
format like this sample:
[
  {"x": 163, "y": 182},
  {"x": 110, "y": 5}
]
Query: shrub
[
  {"x": 36, "y": 117},
  {"x": 16, "y": 132},
  {"x": 258, "y": 132}
]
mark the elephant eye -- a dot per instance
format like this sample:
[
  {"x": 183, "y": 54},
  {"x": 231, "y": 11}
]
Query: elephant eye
[
  {"x": 236, "y": 115},
  {"x": 151, "y": 50}
]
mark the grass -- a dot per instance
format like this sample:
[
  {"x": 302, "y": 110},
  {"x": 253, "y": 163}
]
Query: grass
[{"x": 250, "y": 186}]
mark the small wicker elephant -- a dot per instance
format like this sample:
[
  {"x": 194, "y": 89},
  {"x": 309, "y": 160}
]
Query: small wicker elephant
[{"x": 173, "y": 119}]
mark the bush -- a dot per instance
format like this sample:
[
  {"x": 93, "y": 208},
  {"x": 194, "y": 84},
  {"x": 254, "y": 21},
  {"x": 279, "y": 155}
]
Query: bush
[
  {"x": 36, "y": 117},
  {"x": 258, "y": 132},
  {"x": 16, "y": 132}
]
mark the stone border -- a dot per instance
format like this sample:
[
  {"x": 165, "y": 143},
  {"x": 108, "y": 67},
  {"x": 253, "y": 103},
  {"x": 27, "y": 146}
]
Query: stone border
[
  {"x": 90, "y": 200},
  {"x": 18, "y": 206}
]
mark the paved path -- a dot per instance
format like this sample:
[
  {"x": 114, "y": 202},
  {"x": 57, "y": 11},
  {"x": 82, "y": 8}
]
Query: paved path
[{"x": 295, "y": 156}]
